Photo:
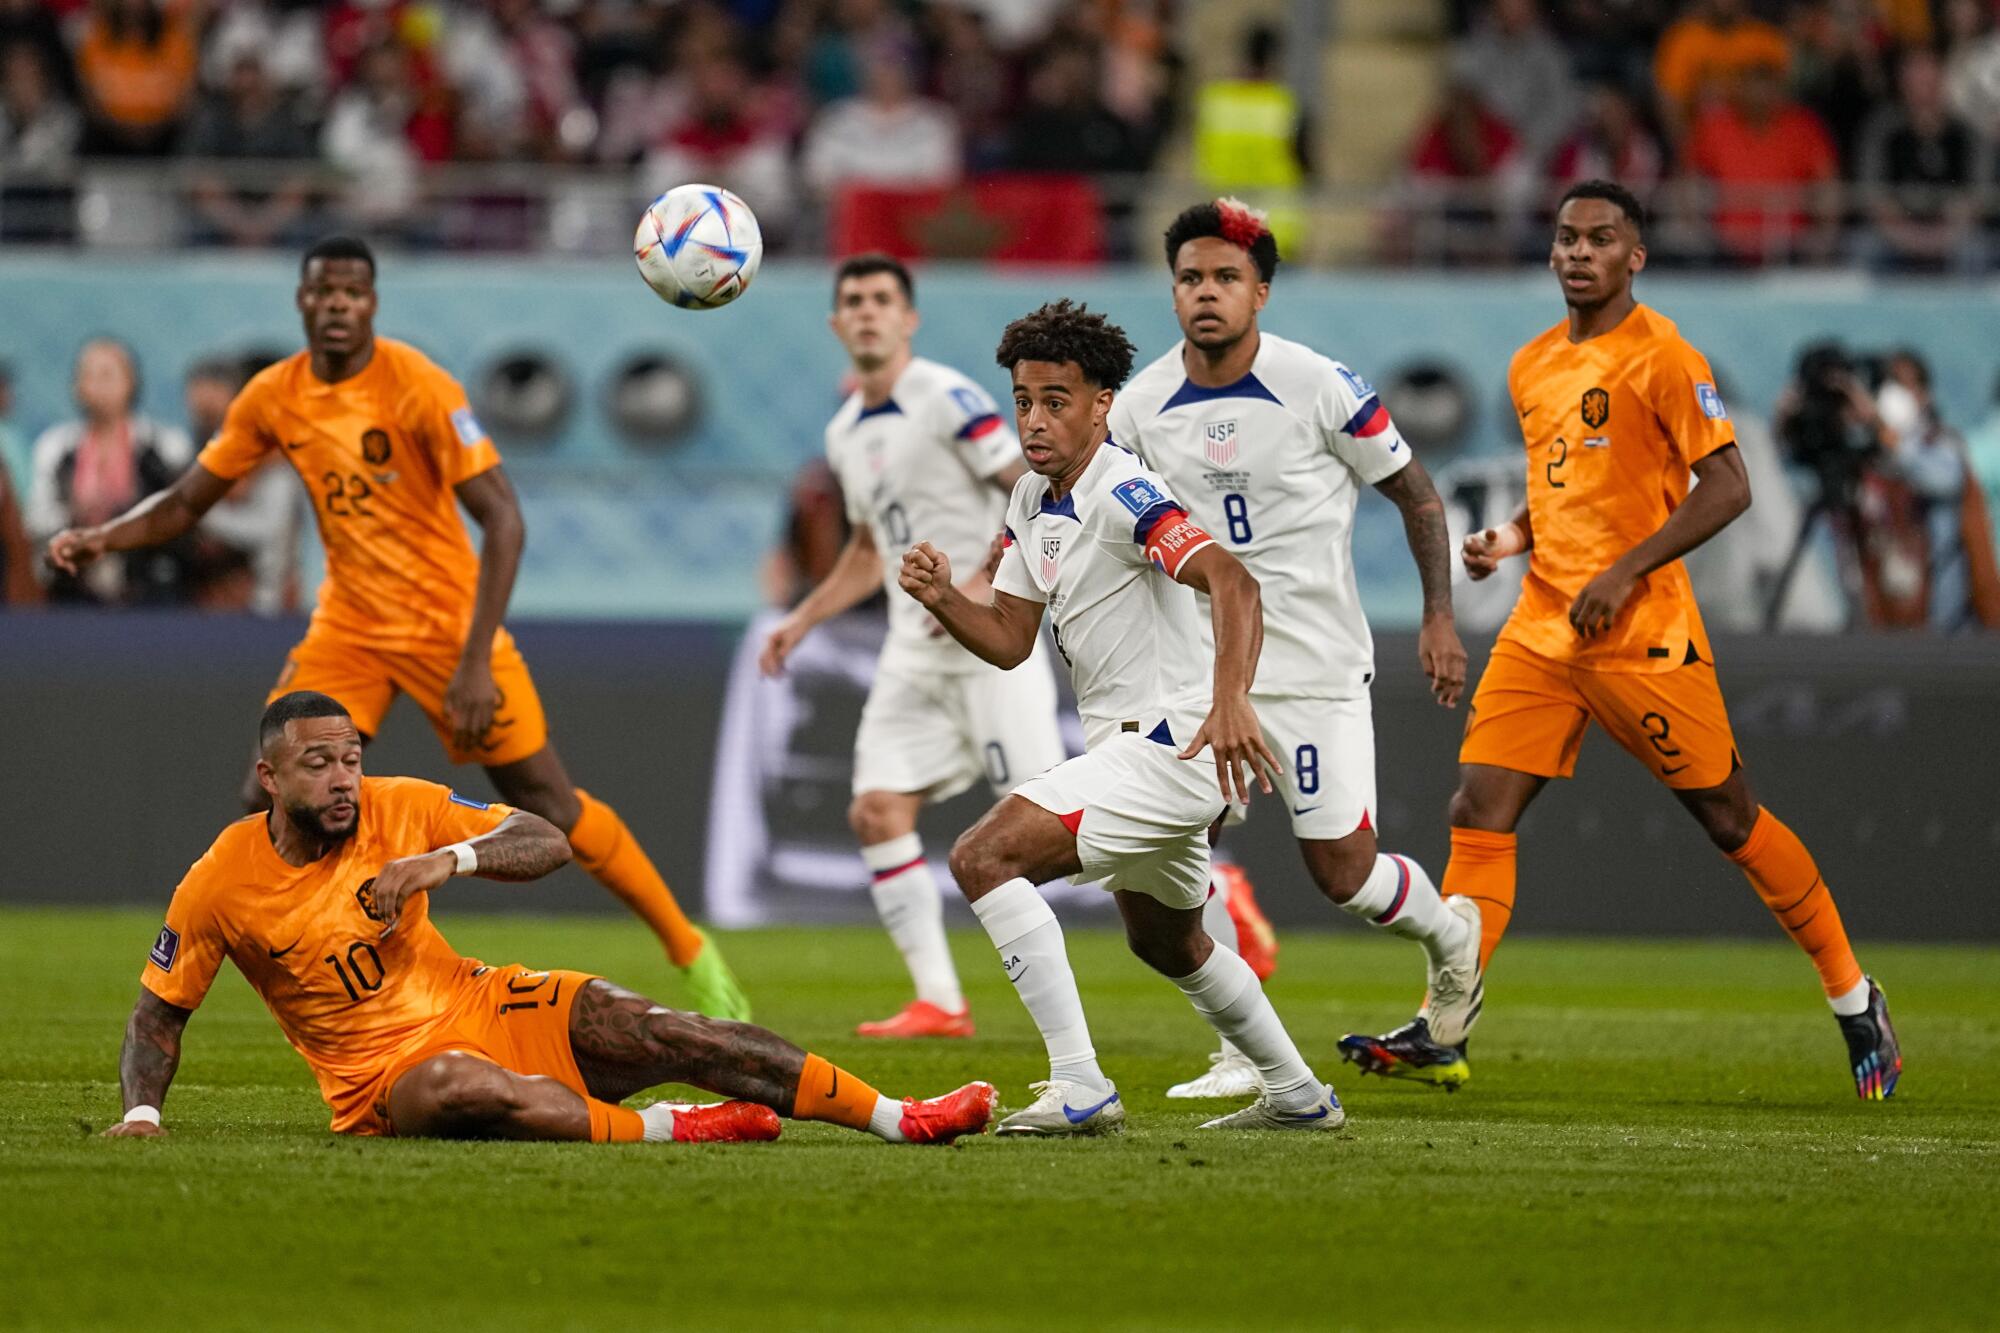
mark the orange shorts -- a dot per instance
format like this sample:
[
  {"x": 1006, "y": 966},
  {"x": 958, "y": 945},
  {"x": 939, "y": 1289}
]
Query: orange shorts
[
  {"x": 512, "y": 1016},
  {"x": 1530, "y": 712},
  {"x": 366, "y": 680}
]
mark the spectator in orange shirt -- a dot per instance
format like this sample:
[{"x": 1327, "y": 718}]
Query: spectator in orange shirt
[
  {"x": 136, "y": 64},
  {"x": 1773, "y": 170},
  {"x": 1702, "y": 55}
]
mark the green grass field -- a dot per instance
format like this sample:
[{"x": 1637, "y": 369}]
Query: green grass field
[{"x": 1656, "y": 1135}]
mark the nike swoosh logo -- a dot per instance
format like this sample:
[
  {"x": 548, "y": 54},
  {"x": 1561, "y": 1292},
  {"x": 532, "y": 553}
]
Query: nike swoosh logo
[
  {"x": 1305, "y": 809},
  {"x": 1076, "y": 1117},
  {"x": 833, "y": 1088},
  {"x": 280, "y": 953},
  {"x": 1316, "y": 1115},
  {"x": 1527, "y": 412},
  {"x": 555, "y": 994}
]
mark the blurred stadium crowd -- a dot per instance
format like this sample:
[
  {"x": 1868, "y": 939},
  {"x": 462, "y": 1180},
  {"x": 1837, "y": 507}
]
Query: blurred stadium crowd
[
  {"x": 1794, "y": 131},
  {"x": 1421, "y": 132}
]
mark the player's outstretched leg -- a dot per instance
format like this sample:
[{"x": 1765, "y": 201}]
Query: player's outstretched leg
[
  {"x": 906, "y": 898},
  {"x": 605, "y": 847},
  {"x": 997, "y": 863},
  {"x": 457, "y": 1095},
  {"x": 1785, "y": 876},
  {"x": 1224, "y": 991},
  {"x": 624, "y": 1042},
  {"x": 1230, "y": 1074}
]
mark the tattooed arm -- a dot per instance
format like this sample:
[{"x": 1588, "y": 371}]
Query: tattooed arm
[
  {"x": 1438, "y": 648},
  {"x": 524, "y": 847},
  {"x": 146, "y": 1063}
]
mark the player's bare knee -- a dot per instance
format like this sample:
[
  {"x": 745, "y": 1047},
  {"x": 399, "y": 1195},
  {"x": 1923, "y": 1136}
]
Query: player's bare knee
[
  {"x": 977, "y": 863},
  {"x": 457, "y": 1094},
  {"x": 875, "y": 817}
]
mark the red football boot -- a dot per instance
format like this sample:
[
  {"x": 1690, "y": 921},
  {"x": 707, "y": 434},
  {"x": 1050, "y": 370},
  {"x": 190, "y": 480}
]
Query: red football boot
[
  {"x": 1255, "y": 940},
  {"x": 942, "y": 1119},
  {"x": 920, "y": 1018},
  {"x": 724, "y": 1122}
]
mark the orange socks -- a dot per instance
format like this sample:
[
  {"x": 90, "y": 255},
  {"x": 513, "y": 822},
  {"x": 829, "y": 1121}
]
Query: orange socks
[
  {"x": 1782, "y": 871},
  {"x": 614, "y": 1124},
  {"x": 828, "y": 1092},
  {"x": 607, "y": 849},
  {"x": 1482, "y": 868}
]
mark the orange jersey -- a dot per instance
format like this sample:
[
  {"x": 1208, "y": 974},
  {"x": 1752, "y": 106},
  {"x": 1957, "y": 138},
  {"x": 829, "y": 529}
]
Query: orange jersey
[
  {"x": 379, "y": 454},
  {"x": 1611, "y": 426},
  {"x": 349, "y": 1000}
]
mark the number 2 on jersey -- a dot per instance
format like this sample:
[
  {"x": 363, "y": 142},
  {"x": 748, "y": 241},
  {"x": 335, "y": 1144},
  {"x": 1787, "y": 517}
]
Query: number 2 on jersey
[
  {"x": 1236, "y": 510},
  {"x": 1561, "y": 451}
]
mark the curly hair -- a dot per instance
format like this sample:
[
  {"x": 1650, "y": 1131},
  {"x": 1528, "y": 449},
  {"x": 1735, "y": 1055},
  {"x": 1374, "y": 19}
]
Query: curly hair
[
  {"x": 1611, "y": 192},
  {"x": 1230, "y": 220},
  {"x": 1062, "y": 331}
]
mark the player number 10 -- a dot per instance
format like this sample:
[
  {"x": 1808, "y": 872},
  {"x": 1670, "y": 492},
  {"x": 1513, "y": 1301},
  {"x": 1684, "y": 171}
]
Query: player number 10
[
  {"x": 1237, "y": 511},
  {"x": 357, "y": 969}
]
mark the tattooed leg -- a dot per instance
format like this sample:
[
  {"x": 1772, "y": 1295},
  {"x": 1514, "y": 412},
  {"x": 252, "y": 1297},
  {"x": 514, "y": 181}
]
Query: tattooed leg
[{"x": 624, "y": 1042}]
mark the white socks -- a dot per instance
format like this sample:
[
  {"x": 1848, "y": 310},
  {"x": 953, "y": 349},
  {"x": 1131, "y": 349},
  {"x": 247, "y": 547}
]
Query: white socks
[
  {"x": 1030, "y": 941},
  {"x": 885, "y": 1122},
  {"x": 906, "y": 897},
  {"x": 1400, "y": 898},
  {"x": 1221, "y": 927},
  {"x": 1224, "y": 991},
  {"x": 1852, "y": 1002},
  {"x": 659, "y": 1119}
]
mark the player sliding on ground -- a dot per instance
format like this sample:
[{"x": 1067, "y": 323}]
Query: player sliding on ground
[
  {"x": 1270, "y": 443},
  {"x": 1097, "y": 541},
  {"x": 388, "y": 449},
  {"x": 1616, "y": 408},
  {"x": 323, "y": 904},
  {"x": 918, "y": 447}
]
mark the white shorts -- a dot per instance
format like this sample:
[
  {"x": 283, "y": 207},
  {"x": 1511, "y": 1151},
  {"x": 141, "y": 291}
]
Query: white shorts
[
  {"x": 936, "y": 735},
  {"x": 1327, "y": 747},
  {"x": 1140, "y": 814}
]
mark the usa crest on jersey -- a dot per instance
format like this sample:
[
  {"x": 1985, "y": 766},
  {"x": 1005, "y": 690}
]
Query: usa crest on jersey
[
  {"x": 1051, "y": 553},
  {"x": 1220, "y": 444}
]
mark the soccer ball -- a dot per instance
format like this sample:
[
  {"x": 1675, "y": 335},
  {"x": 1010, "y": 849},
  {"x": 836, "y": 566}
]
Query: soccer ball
[{"x": 698, "y": 246}]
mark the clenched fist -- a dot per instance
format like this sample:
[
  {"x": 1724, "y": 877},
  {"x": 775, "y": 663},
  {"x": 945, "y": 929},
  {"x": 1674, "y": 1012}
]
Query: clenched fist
[{"x": 926, "y": 574}]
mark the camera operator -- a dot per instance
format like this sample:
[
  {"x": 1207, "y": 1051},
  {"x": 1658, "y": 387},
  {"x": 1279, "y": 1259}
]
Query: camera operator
[{"x": 1829, "y": 426}]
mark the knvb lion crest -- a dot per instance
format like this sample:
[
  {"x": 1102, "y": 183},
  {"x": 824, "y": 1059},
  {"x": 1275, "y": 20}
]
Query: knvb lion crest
[
  {"x": 375, "y": 447},
  {"x": 1220, "y": 446},
  {"x": 365, "y": 895},
  {"x": 1051, "y": 553},
  {"x": 1596, "y": 408}
]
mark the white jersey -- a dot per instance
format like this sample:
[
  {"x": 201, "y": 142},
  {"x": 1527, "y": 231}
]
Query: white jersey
[
  {"x": 1123, "y": 625},
  {"x": 1271, "y": 465},
  {"x": 917, "y": 468}
]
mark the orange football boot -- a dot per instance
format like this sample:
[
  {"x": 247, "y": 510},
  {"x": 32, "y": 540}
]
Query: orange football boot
[
  {"x": 724, "y": 1122},
  {"x": 942, "y": 1119},
  {"x": 1255, "y": 940},
  {"x": 920, "y": 1018}
]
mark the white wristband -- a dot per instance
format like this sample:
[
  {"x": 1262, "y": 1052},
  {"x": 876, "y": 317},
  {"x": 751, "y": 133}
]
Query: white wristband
[
  {"x": 468, "y": 857},
  {"x": 149, "y": 1114}
]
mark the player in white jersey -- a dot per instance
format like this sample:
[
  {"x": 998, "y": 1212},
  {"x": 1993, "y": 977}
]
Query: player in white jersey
[
  {"x": 1100, "y": 544},
  {"x": 1270, "y": 443},
  {"x": 919, "y": 448}
]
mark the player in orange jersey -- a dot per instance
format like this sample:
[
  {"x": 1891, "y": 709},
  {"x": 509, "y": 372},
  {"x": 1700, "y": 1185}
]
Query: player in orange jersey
[
  {"x": 1616, "y": 409},
  {"x": 322, "y": 902},
  {"x": 388, "y": 449}
]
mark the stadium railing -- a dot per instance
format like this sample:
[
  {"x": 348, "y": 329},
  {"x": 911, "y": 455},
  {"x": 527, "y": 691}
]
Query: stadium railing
[{"x": 526, "y": 208}]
